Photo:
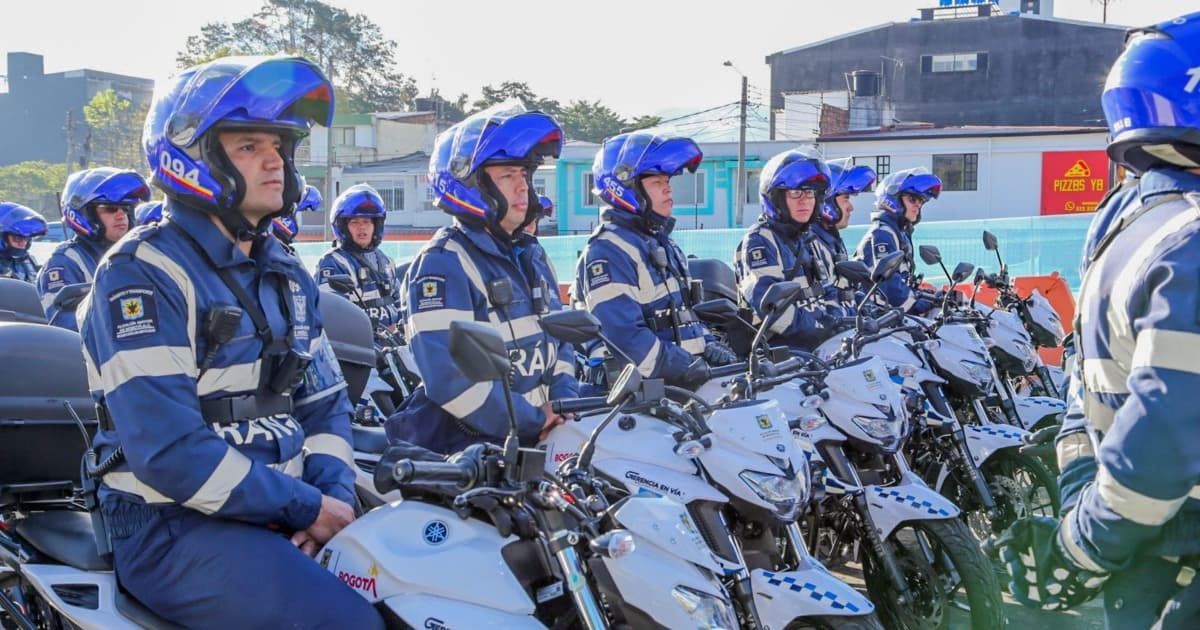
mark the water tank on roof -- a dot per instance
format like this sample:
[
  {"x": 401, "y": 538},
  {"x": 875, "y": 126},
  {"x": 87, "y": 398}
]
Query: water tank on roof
[{"x": 864, "y": 83}]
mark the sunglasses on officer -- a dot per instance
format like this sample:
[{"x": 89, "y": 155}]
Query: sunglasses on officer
[{"x": 112, "y": 208}]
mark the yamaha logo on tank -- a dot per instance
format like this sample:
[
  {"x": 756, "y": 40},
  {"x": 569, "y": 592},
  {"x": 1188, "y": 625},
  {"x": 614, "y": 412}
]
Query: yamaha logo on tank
[{"x": 435, "y": 533}]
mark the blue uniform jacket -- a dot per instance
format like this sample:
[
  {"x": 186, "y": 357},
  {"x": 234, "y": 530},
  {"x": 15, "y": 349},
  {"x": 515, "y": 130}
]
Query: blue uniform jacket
[
  {"x": 373, "y": 275},
  {"x": 829, "y": 249},
  {"x": 73, "y": 262},
  {"x": 150, "y": 362},
  {"x": 617, "y": 280},
  {"x": 449, "y": 281},
  {"x": 773, "y": 251},
  {"x": 884, "y": 237},
  {"x": 1137, "y": 344},
  {"x": 17, "y": 264}
]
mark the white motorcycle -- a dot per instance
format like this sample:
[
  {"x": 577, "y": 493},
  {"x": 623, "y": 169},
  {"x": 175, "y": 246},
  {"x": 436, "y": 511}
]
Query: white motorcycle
[{"x": 731, "y": 467}]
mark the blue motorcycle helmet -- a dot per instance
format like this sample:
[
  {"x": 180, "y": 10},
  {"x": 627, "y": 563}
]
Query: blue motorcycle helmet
[
  {"x": 845, "y": 179},
  {"x": 275, "y": 94},
  {"x": 913, "y": 181},
  {"x": 21, "y": 221},
  {"x": 285, "y": 226},
  {"x": 791, "y": 170},
  {"x": 148, "y": 212},
  {"x": 505, "y": 134},
  {"x": 359, "y": 200},
  {"x": 623, "y": 160},
  {"x": 103, "y": 185},
  {"x": 1151, "y": 99}
]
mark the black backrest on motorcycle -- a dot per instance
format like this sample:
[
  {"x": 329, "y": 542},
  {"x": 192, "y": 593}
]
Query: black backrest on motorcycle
[
  {"x": 349, "y": 331},
  {"x": 19, "y": 302}
]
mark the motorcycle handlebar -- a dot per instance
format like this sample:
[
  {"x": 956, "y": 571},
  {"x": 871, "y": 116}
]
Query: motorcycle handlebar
[
  {"x": 415, "y": 473},
  {"x": 719, "y": 371},
  {"x": 578, "y": 405}
]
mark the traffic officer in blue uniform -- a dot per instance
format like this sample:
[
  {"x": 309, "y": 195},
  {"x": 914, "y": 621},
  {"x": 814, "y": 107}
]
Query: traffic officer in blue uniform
[
  {"x": 98, "y": 205},
  {"x": 778, "y": 247},
  {"x": 899, "y": 199},
  {"x": 846, "y": 181},
  {"x": 1132, "y": 533},
  {"x": 218, "y": 393},
  {"x": 284, "y": 226},
  {"x": 357, "y": 219},
  {"x": 631, "y": 275},
  {"x": 484, "y": 268},
  {"x": 18, "y": 227}
]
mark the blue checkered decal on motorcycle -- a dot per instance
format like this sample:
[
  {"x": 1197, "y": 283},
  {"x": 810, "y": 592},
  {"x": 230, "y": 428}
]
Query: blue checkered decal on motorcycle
[
  {"x": 995, "y": 430},
  {"x": 912, "y": 501},
  {"x": 811, "y": 589}
]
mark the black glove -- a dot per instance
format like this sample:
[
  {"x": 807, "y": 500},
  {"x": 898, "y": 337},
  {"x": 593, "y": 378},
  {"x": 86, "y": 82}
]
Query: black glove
[
  {"x": 717, "y": 353},
  {"x": 1041, "y": 574},
  {"x": 500, "y": 517},
  {"x": 694, "y": 376}
]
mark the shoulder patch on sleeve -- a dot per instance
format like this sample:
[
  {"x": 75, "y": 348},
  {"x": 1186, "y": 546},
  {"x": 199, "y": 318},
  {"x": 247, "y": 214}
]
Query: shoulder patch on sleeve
[
  {"x": 882, "y": 248},
  {"x": 597, "y": 273},
  {"x": 432, "y": 293},
  {"x": 54, "y": 278},
  {"x": 757, "y": 256},
  {"x": 133, "y": 312}
]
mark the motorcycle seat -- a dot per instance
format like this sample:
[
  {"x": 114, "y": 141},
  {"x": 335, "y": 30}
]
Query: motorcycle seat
[
  {"x": 369, "y": 439},
  {"x": 66, "y": 536},
  {"x": 134, "y": 611}
]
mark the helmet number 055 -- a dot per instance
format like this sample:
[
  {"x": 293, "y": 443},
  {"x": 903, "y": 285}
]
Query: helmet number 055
[{"x": 175, "y": 167}]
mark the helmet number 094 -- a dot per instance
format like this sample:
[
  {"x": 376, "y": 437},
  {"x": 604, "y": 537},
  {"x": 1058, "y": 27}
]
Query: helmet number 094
[{"x": 175, "y": 167}]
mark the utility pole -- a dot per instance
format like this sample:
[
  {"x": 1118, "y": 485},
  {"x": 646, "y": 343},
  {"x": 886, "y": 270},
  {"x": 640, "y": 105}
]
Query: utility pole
[
  {"x": 739, "y": 189},
  {"x": 70, "y": 138},
  {"x": 329, "y": 196},
  {"x": 741, "y": 169}
]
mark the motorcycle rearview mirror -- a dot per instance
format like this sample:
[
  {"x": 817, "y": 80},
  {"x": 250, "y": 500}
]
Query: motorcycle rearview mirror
[
  {"x": 574, "y": 326},
  {"x": 71, "y": 295},
  {"x": 930, "y": 255},
  {"x": 720, "y": 311},
  {"x": 886, "y": 266},
  {"x": 342, "y": 283},
  {"x": 990, "y": 241},
  {"x": 779, "y": 295},
  {"x": 853, "y": 270},
  {"x": 478, "y": 351},
  {"x": 961, "y": 271}
]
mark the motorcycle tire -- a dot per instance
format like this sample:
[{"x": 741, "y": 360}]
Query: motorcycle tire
[{"x": 861, "y": 622}]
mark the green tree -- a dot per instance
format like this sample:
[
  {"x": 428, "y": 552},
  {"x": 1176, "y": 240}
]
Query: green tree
[
  {"x": 115, "y": 131},
  {"x": 349, "y": 46},
  {"x": 590, "y": 121},
  {"x": 519, "y": 90},
  {"x": 645, "y": 122},
  {"x": 33, "y": 184}
]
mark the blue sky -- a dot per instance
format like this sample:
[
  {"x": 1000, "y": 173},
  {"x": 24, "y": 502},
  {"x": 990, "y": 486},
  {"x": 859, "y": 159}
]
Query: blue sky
[{"x": 637, "y": 57}]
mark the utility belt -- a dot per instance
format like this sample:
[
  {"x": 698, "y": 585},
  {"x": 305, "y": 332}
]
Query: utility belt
[{"x": 666, "y": 322}]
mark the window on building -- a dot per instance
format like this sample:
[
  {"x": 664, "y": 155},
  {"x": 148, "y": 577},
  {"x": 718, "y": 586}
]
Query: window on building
[
  {"x": 883, "y": 167},
  {"x": 589, "y": 198},
  {"x": 958, "y": 171},
  {"x": 539, "y": 186},
  {"x": 954, "y": 62},
  {"x": 752, "y": 183},
  {"x": 392, "y": 194},
  {"x": 687, "y": 190},
  {"x": 343, "y": 136},
  {"x": 428, "y": 206}
]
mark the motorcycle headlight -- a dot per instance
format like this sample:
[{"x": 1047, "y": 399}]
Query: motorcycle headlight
[
  {"x": 979, "y": 372},
  {"x": 882, "y": 429},
  {"x": 707, "y": 611},
  {"x": 808, "y": 423},
  {"x": 787, "y": 494}
]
